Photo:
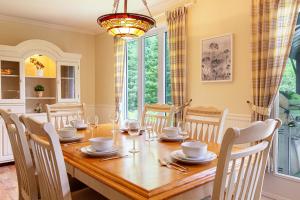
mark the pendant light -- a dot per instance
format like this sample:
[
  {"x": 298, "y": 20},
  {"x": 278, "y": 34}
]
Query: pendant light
[{"x": 126, "y": 25}]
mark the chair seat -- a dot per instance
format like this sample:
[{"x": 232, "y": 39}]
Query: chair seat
[{"x": 87, "y": 193}]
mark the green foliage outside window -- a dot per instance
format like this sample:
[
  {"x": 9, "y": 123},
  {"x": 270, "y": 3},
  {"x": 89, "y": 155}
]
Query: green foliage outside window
[{"x": 150, "y": 74}]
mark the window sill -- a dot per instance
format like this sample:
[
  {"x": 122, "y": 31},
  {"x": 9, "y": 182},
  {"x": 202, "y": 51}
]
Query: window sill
[{"x": 286, "y": 177}]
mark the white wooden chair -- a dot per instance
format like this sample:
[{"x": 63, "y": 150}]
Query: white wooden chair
[
  {"x": 27, "y": 182},
  {"x": 240, "y": 174},
  {"x": 61, "y": 115},
  {"x": 50, "y": 165},
  {"x": 158, "y": 116},
  {"x": 205, "y": 123}
]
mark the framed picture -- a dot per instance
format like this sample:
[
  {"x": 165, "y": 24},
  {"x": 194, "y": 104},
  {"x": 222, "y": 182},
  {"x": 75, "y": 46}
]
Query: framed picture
[{"x": 216, "y": 58}]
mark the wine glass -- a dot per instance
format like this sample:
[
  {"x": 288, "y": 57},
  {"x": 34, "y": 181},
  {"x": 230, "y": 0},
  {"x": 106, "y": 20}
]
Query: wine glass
[
  {"x": 114, "y": 118},
  {"x": 149, "y": 129},
  {"x": 182, "y": 126},
  {"x": 93, "y": 122},
  {"x": 134, "y": 131}
]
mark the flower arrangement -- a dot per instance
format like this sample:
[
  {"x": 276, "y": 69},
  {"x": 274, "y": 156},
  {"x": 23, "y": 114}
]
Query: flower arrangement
[{"x": 37, "y": 63}]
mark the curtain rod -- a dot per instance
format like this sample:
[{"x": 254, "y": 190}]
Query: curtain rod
[{"x": 185, "y": 5}]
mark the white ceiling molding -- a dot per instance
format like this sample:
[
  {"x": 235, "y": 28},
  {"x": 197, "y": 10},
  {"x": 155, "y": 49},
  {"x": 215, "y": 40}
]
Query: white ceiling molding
[
  {"x": 73, "y": 15},
  {"x": 46, "y": 24}
]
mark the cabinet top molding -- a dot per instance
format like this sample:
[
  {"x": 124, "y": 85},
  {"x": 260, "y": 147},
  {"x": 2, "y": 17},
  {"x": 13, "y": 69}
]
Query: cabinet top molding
[{"x": 28, "y": 48}]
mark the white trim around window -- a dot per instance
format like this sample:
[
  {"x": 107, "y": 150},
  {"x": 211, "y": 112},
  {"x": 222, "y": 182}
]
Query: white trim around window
[{"x": 160, "y": 32}]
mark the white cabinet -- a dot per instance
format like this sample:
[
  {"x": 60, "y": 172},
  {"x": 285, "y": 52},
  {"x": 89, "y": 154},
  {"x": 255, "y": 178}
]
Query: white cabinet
[
  {"x": 20, "y": 67},
  {"x": 11, "y": 80},
  {"x": 68, "y": 89},
  {"x": 6, "y": 154}
]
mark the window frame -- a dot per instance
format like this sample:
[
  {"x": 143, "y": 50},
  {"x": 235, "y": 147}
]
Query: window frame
[{"x": 161, "y": 90}]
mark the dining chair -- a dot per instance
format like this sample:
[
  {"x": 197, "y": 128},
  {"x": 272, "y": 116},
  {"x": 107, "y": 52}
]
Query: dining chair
[
  {"x": 204, "y": 123},
  {"x": 158, "y": 116},
  {"x": 240, "y": 174},
  {"x": 61, "y": 114},
  {"x": 27, "y": 183},
  {"x": 50, "y": 165}
]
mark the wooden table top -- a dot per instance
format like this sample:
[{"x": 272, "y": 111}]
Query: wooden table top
[{"x": 139, "y": 175}]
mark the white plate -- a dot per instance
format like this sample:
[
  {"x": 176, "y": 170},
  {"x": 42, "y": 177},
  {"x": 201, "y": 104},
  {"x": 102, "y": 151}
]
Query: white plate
[
  {"x": 90, "y": 151},
  {"x": 163, "y": 137},
  {"x": 178, "y": 155},
  {"x": 71, "y": 139}
]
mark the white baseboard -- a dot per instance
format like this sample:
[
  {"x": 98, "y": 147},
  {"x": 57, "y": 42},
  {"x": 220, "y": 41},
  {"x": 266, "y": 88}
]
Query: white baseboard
[{"x": 271, "y": 196}]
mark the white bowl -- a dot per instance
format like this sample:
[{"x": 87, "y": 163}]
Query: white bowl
[
  {"x": 101, "y": 144},
  {"x": 67, "y": 132},
  {"x": 194, "y": 149},
  {"x": 171, "y": 132},
  {"x": 77, "y": 123}
]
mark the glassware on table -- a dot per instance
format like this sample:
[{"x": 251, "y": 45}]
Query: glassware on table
[
  {"x": 134, "y": 131},
  {"x": 149, "y": 130},
  {"x": 93, "y": 123},
  {"x": 182, "y": 126},
  {"x": 114, "y": 118}
]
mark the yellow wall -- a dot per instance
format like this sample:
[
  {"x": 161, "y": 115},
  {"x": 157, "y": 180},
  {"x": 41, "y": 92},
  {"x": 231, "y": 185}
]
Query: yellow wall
[
  {"x": 206, "y": 18},
  {"x": 104, "y": 70},
  {"x": 12, "y": 33},
  {"x": 49, "y": 69}
]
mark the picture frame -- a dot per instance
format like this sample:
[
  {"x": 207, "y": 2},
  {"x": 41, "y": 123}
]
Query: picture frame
[{"x": 217, "y": 58}]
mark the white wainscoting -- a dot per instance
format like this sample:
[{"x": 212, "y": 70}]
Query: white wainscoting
[{"x": 232, "y": 120}]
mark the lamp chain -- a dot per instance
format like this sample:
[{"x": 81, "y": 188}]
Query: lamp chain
[
  {"x": 146, "y": 5},
  {"x": 116, "y": 6}
]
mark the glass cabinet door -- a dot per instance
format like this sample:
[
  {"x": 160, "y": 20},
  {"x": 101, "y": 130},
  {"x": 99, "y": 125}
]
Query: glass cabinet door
[
  {"x": 10, "y": 79},
  {"x": 68, "y": 83}
]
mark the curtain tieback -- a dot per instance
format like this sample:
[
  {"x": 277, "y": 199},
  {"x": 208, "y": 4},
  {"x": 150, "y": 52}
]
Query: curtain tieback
[{"x": 260, "y": 109}]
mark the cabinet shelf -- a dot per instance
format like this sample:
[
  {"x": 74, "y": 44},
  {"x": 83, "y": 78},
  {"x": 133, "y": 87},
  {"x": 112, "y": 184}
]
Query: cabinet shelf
[
  {"x": 68, "y": 78},
  {"x": 39, "y": 98},
  {"x": 10, "y": 76},
  {"x": 45, "y": 77}
]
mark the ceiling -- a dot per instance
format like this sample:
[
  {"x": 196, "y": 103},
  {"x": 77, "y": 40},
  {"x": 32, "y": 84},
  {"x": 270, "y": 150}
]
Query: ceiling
[{"x": 77, "y": 14}]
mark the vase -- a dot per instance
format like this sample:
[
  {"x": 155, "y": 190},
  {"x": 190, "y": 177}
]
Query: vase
[
  {"x": 39, "y": 93},
  {"x": 39, "y": 72}
]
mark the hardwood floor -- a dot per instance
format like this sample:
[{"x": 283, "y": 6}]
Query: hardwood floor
[{"x": 8, "y": 183}]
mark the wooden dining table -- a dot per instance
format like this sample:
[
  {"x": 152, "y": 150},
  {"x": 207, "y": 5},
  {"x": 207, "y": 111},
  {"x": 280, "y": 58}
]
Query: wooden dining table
[{"x": 140, "y": 175}]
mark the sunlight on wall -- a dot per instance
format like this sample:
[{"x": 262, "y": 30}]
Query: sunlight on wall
[{"x": 49, "y": 70}]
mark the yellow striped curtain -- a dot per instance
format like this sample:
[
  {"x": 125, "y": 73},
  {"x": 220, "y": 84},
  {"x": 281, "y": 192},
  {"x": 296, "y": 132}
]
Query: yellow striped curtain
[
  {"x": 177, "y": 29},
  {"x": 273, "y": 25},
  {"x": 119, "y": 51}
]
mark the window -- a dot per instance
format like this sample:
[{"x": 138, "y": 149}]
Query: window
[
  {"x": 289, "y": 112},
  {"x": 147, "y": 72}
]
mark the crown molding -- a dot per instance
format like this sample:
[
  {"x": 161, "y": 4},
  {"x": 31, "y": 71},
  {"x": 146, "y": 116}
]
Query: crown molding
[{"x": 6, "y": 18}]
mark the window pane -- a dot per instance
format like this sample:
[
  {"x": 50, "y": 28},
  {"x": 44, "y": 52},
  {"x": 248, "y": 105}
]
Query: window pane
[
  {"x": 132, "y": 79},
  {"x": 168, "y": 98},
  {"x": 151, "y": 69},
  {"x": 289, "y": 113},
  {"x": 67, "y": 82}
]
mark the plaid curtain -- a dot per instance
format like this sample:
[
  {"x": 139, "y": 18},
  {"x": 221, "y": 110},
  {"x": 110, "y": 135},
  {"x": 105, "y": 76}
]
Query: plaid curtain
[
  {"x": 119, "y": 50},
  {"x": 177, "y": 42},
  {"x": 273, "y": 25}
]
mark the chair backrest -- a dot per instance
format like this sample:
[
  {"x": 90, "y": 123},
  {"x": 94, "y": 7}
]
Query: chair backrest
[
  {"x": 158, "y": 116},
  {"x": 240, "y": 174},
  {"x": 49, "y": 160},
  {"x": 61, "y": 114},
  {"x": 23, "y": 159},
  {"x": 205, "y": 123}
]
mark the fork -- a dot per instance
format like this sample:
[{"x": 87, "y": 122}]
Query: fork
[
  {"x": 175, "y": 164},
  {"x": 165, "y": 164}
]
